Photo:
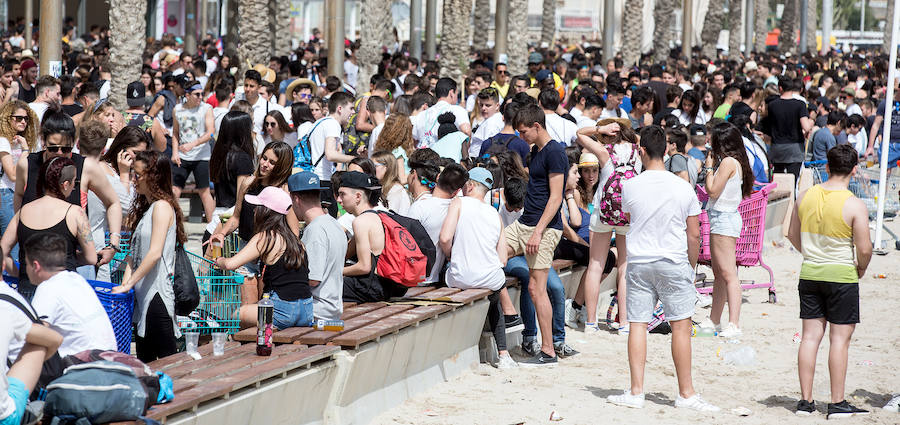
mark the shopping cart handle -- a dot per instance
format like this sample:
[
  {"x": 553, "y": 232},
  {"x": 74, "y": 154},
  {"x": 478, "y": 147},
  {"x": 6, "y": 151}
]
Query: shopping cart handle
[{"x": 814, "y": 163}]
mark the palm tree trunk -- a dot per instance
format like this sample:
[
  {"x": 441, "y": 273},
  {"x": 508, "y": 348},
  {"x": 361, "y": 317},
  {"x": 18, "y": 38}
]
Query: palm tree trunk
[
  {"x": 888, "y": 29},
  {"x": 455, "y": 37},
  {"x": 282, "y": 27},
  {"x": 762, "y": 27},
  {"x": 126, "y": 44},
  {"x": 734, "y": 28},
  {"x": 517, "y": 49},
  {"x": 662, "y": 17},
  {"x": 482, "y": 24},
  {"x": 632, "y": 27},
  {"x": 374, "y": 27},
  {"x": 812, "y": 15},
  {"x": 712, "y": 25},
  {"x": 253, "y": 32},
  {"x": 788, "y": 37},
  {"x": 548, "y": 22}
]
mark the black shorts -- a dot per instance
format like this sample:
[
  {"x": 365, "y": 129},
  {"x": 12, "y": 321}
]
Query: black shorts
[
  {"x": 200, "y": 169},
  {"x": 838, "y": 303}
]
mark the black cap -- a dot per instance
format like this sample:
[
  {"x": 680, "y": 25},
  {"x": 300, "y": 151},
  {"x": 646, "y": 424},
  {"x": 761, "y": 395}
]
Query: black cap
[
  {"x": 698, "y": 130},
  {"x": 358, "y": 180},
  {"x": 135, "y": 93}
]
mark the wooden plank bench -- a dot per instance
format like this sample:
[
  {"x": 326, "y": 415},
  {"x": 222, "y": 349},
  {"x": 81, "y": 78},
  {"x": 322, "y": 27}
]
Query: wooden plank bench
[{"x": 292, "y": 335}]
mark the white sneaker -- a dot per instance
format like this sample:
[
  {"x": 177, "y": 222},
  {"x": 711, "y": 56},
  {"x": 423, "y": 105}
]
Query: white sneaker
[
  {"x": 703, "y": 300},
  {"x": 730, "y": 331},
  {"x": 627, "y": 399},
  {"x": 695, "y": 402},
  {"x": 571, "y": 315},
  {"x": 593, "y": 329},
  {"x": 506, "y": 362},
  {"x": 893, "y": 405},
  {"x": 623, "y": 331}
]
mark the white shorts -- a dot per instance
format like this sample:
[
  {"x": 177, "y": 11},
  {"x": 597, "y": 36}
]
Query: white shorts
[
  {"x": 670, "y": 283},
  {"x": 725, "y": 223},
  {"x": 598, "y": 226}
]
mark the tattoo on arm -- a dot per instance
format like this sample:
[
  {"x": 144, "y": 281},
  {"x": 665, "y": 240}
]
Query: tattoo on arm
[{"x": 84, "y": 227}]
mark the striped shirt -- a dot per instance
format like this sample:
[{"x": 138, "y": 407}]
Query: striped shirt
[{"x": 826, "y": 239}]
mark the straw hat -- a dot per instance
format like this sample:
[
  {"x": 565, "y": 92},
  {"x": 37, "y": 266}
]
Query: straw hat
[
  {"x": 267, "y": 74},
  {"x": 297, "y": 84},
  {"x": 588, "y": 159},
  {"x": 625, "y": 122}
]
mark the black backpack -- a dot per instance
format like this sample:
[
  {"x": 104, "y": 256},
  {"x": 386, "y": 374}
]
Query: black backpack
[{"x": 499, "y": 143}]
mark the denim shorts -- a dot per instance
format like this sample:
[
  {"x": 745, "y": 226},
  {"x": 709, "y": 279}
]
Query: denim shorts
[
  {"x": 725, "y": 223},
  {"x": 19, "y": 396},
  {"x": 670, "y": 283},
  {"x": 289, "y": 314}
]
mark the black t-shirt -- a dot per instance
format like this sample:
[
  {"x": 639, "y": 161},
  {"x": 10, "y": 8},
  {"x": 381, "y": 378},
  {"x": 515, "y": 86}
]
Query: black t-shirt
[
  {"x": 549, "y": 160},
  {"x": 783, "y": 126},
  {"x": 27, "y": 96},
  {"x": 740, "y": 108},
  {"x": 72, "y": 110},
  {"x": 664, "y": 112},
  {"x": 236, "y": 164}
]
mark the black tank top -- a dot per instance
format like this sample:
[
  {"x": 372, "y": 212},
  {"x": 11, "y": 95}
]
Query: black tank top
[
  {"x": 35, "y": 160},
  {"x": 24, "y": 232},
  {"x": 248, "y": 212},
  {"x": 290, "y": 285}
]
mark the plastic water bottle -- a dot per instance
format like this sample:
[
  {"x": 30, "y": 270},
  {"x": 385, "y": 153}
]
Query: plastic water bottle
[
  {"x": 264, "y": 327},
  {"x": 744, "y": 356},
  {"x": 328, "y": 325},
  {"x": 697, "y": 331}
]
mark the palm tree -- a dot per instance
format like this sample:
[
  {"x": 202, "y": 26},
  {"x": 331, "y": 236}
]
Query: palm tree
[
  {"x": 632, "y": 28},
  {"x": 788, "y": 37},
  {"x": 712, "y": 25},
  {"x": 455, "y": 37},
  {"x": 762, "y": 26},
  {"x": 734, "y": 28},
  {"x": 253, "y": 32},
  {"x": 482, "y": 18},
  {"x": 888, "y": 29},
  {"x": 812, "y": 15},
  {"x": 282, "y": 42},
  {"x": 374, "y": 26},
  {"x": 126, "y": 44},
  {"x": 548, "y": 22},
  {"x": 517, "y": 49},
  {"x": 662, "y": 31}
]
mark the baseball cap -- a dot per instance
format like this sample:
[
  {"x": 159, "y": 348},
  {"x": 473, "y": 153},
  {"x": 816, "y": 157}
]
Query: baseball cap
[
  {"x": 535, "y": 57},
  {"x": 358, "y": 180},
  {"x": 134, "y": 94},
  {"x": 27, "y": 64},
  {"x": 542, "y": 75},
  {"x": 483, "y": 176},
  {"x": 304, "y": 181},
  {"x": 750, "y": 66},
  {"x": 698, "y": 130},
  {"x": 272, "y": 198}
]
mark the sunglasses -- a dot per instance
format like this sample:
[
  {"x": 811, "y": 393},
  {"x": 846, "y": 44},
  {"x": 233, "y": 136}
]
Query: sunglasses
[
  {"x": 57, "y": 149},
  {"x": 270, "y": 124},
  {"x": 503, "y": 72},
  {"x": 305, "y": 96},
  {"x": 20, "y": 118}
]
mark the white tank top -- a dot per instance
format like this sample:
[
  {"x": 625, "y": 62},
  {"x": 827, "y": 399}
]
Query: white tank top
[
  {"x": 730, "y": 197},
  {"x": 474, "y": 262}
]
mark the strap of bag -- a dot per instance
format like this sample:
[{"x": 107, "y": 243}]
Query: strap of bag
[{"x": 31, "y": 316}]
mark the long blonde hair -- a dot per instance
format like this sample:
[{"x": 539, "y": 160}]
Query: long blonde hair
[
  {"x": 391, "y": 172},
  {"x": 6, "y": 129},
  {"x": 397, "y": 132}
]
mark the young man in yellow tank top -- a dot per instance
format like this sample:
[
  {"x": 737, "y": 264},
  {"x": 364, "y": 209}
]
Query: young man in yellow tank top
[{"x": 830, "y": 227}]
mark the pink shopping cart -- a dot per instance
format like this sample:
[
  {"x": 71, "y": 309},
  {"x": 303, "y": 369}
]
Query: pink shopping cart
[{"x": 748, "y": 250}]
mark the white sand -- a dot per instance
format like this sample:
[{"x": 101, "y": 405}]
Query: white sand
[{"x": 577, "y": 387}]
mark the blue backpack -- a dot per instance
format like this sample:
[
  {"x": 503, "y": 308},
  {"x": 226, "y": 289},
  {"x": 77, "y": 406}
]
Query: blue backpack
[
  {"x": 95, "y": 392},
  {"x": 303, "y": 152}
]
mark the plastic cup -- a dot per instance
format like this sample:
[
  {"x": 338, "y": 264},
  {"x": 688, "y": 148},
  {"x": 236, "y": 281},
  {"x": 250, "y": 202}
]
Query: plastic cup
[
  {"x": 191, "y": 340},
  {"x": 218, "y": 340}
]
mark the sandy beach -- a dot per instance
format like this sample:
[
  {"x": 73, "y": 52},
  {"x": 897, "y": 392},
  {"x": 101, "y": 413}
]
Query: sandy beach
[{"x": 575, "y": 390}]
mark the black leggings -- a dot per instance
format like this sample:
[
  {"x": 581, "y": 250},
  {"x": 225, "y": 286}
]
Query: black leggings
[
  {"x": 159, "y": 333},
  {"x": 496, "y": 321}
]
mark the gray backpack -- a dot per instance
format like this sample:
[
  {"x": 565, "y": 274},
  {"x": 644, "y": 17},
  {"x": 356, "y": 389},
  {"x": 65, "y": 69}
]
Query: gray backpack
[{"x": 95, "y": 392}]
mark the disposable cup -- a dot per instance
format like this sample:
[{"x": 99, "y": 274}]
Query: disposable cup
[
  {"x": 218, "y": 340},
  {"x": 191, "y": 340}
]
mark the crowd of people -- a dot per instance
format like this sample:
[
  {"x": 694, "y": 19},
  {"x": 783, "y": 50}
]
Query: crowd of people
[{"x": 578, "y": 159}]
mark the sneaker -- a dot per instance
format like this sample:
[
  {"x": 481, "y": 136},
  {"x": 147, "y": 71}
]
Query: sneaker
[
  {"x": 530, "y": 347},
  {"x": 592, "y": 329},
  {"x": 541, "y": 359},
  {"x": 695, "y": 402},
  {"x": 708, "y": 324},
  {"x": 627, "y": 399},
  {"x": 703, "y": 300},
  {"x": 805, "y": 408},
  {"x": 893, "y": 405},
  {"x": 563, "y": 350},
  {"x": 730, "y": 331},
  {"x": 623, "y": 330},
  {"x": 844, "y": 410},
  {"x": 571, "y": 315},
  {"x": 512, "y": 321},
  {"x": 506, "y": 362}
]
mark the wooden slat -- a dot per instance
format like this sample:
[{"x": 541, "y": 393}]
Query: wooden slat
[
  {"x": 562, "y": 264},
  {"x": 209, "y": 361},
  {"x": 246, "y": 335},
  {"x": 357, "y": 310},
  {"x": 178, "y": 358},
  {"x": 470, "y": 295},
  {"x": 437, "y": 294},
  {"x": 232, "y": 366},
  {"x": 419, "y": 290},
  {"x": 268, "y": 368},
  {"x": 322, "y": 337},
  {"x": 388, "y": 325},
  {"x": 290, "y": 335},
  {"x": 348, "y": 305}
]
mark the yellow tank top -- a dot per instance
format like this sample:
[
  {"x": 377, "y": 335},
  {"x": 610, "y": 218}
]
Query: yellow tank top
[{"x": 827, "y": 240}]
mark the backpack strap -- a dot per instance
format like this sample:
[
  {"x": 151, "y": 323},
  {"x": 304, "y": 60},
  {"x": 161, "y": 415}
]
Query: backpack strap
[
  {"x": 316, "y": 164},
  {"x": 28, "y": 312}
]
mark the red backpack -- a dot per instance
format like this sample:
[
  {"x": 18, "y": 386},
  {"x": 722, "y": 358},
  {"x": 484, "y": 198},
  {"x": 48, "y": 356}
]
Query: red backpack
[{"x": 408, "y": 254}]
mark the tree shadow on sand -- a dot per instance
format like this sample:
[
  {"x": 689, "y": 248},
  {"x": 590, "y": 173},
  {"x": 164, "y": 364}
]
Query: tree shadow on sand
[
  {"x": 657, "y": 398},
  {"x": 789, "y": 403},
  {"x": 872, "y": 399}
]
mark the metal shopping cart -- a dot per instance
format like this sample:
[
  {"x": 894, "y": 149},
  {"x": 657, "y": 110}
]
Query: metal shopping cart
[
  {"x": 748, "y": 249},
  {"x": 220, "y": 299}
]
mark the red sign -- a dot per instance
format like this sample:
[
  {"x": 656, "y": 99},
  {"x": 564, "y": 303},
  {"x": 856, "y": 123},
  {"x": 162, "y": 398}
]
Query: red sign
[{"x": 577, "y": 22}]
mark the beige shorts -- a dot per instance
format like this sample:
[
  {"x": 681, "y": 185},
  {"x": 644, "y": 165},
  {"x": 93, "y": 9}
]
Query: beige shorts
[
  {"x": 599, "y": 227},
  {"x": 517, "y": 235}
]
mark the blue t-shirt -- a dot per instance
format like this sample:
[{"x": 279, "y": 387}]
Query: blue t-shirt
[
  {"x": 515, "y": 144},
  {"x": 551, "y": 159},
  {"x": 822, "y": 141},
  {"x": 697, "y": 153}
]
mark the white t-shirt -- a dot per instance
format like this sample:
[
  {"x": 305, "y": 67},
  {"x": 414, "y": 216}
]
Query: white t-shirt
[
  {"x": 854, "y": 109},
  {"x": 398, "y": 200},
  {"x": 303, "y": 129},
  {"x": 373, "y": 138},
  {"x": 659, "y": 204},
  {"x": 426, "y": 125},
  {"x": 611, "y": 113},
  {"x": 859, "y": 141},
  {"x": 39, "y": 108},
  {"x": 431, "y": 212},
  {"x": 561, "y": 129},
  {"x": 192, "y": 125},
  {"x": 474, "y": 262},
  {"x": 218, "y": 114},
  {"x": 328, "y": 127},
  {"x": 489, "y": 128},
  {"x": 685, "y": 119},
  {"x": 582, "y": 121},
  {"x": 68, "y": 303},
  {"x": 12, "y": 337},
  {"x": 15, "y": 153}
]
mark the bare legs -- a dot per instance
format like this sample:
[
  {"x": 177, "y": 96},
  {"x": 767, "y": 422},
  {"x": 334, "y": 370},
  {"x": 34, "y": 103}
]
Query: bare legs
[
  {"x": 726, "y": 286},
  {"x": 681, "y": 354},
  {"x": 839, "y": 335}
]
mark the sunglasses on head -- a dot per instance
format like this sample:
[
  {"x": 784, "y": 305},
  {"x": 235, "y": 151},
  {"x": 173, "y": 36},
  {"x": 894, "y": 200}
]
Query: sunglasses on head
[{"x": 57, "y": 149}]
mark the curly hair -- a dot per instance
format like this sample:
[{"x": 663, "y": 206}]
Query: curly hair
[
  {"x": 53, "y": 174},
  {"x": 158, "y": 175},
  {"x": 6, "y": 129},
  {"x": 397, "y": 132}
]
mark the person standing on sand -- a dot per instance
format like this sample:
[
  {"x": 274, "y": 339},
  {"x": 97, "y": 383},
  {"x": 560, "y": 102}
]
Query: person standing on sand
[
  {"x": 663, "y": 245},
  {"x": 828, "y": 226}
]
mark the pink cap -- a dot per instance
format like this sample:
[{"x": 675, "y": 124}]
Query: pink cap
[{"x": 273, "y": 198}]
